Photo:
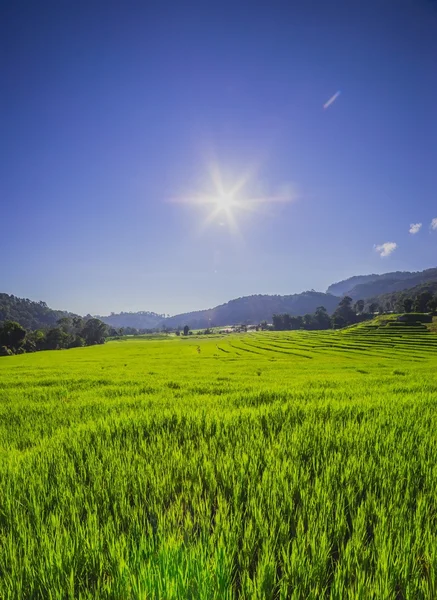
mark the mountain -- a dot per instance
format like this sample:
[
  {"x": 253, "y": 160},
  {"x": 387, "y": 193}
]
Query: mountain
[
  {"x": 249, "y": 310},
  {"x": 395, "y": 299},
  {"x": 342, "y": 287},
  {"x": 366, "y": 286},
  {"x": 254, "y": 309},
  {"x": 138, "y": 320},
  {"x": 29, "y": 314}
]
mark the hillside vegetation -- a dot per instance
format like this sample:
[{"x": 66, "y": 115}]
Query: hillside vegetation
[
  {"x": 379, "y": 289},
  {"x": 341, "y": 288},
  {"x": 263, "y": 465},
  {"x": 29, "y": 314},
  {"x": 366, "y": 286},
  {"x": 254, "y": 309},
  {"x": 137, "y": 320},
  {"x": 395, "y": 300}
]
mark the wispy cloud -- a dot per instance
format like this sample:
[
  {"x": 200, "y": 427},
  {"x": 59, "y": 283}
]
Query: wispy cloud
[
  {"x": 415, "y": 227},
  {"x": 332, "y": 99},
  {"x": 386, "y": 248},
  {"x": 434, "y": 224}
]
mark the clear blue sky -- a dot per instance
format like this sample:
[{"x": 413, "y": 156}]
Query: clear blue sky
[{"x": 110, "y": 110}]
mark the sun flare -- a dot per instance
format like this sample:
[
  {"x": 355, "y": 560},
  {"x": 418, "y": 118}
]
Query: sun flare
[{"x": 227, "y": 201}]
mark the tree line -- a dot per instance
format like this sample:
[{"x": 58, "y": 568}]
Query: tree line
[
  {"x": 419, "y": 299},
  {"x": 69, "y": 332},
  {"x": 75, "y": 331},
  {"x": 345, "y": 314},
  {"x": 349, "y": 313}
]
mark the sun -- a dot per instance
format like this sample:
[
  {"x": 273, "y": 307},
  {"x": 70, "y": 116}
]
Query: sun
[{"x": 225, "y": 202}]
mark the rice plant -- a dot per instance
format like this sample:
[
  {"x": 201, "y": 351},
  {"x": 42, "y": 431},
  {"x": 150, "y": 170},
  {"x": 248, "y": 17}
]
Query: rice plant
[{"x": 268, "y": 465}]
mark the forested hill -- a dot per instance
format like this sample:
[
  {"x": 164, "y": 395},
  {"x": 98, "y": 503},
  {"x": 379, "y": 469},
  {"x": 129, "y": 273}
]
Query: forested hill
[
  {"x": 395, "y": 300},
  {"x": 29, "y": 314},
  {"x": 250, "y": 309},
  {"x": 254, "y": 309},
  {"x": 138, "y": 320},
  {"x": 367, "y": 286}
]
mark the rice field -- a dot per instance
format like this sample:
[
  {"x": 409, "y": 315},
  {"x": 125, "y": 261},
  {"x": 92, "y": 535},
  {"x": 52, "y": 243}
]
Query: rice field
[{"x": 265, "y": 465}]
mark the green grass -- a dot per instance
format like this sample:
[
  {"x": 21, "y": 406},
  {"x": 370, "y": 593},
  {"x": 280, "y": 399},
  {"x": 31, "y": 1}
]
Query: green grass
[{"x": 263, "y": 465}]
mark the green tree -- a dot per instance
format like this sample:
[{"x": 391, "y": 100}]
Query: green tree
[
  {"x": 12, "y": 335},
  {"x": 78, "y": 323},
  {"x": 286, "y": 322},
  {"x": 308, "y": 321},
  {"x": 345, "y": 302},
  {"x": 76, "y": 341},
  {"x": 433, "y": 304},
  {"x": 422, "y": 302},
  {"x": 408, "y": 305},
  {"x": 66, "y": 324},
  {"x": 296, "y": 322},
  {"x": 186, "y": 330},
  {"x": 278, "y": 322},
  {"x": 35, "y": 341},
  {"x": 94, "y": 332},
  {"x": 373, "y": 308},
  {"x": 321, "y": 318},
  {"x": 359, "y": 307},
  {"x": 343, "y": 314},
  {"x": 337, "y": 320},
  {"x": 56, "y": 339}
]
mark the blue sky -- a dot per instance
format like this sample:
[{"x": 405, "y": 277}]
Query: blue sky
[{"x": 112, "y": 114}]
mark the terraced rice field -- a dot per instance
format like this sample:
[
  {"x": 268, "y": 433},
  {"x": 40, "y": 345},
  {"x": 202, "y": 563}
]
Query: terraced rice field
[{"x": 264, "y": 465}]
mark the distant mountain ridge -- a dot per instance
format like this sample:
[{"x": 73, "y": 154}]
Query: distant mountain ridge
[
  {"x": 366, "y": 286},
  {"x": 249, "y": 309},
  {"x": 138, "y": 320},
  {"x": 253, "y": 309}
]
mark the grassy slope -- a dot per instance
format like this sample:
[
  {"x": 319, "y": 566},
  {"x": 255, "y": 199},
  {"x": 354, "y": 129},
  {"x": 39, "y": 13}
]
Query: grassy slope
[{"x": 289, "y": 465}]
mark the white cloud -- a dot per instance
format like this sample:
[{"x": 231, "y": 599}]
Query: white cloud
[
  {"x": 434, "y": 224},
  {"x": 415, "y": 227},
  {"x": 386, "y": 249}
]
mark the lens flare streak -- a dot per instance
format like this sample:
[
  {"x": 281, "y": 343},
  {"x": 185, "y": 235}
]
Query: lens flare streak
[{"x": 332, "y": 100}]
